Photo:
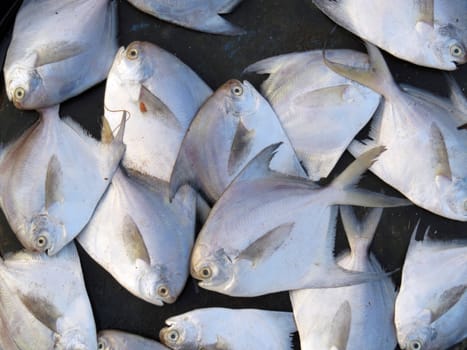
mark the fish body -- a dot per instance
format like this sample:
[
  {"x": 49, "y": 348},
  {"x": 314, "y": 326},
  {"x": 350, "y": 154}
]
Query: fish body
[
  {"x": 143, "y": 240},
  {"x": 432, "y": 315},
  {"x": 222, "y": 328},
  {"x": 161, "y": 95},
  {"x": 320, "y": 110},
  {"x": 43, "y": 302},
  {"x": 354, "y": 317},
  {"x": 271, "y": 232},
  {"x": 118, "y": 340},
  {"x": 199, "y": 15},
  {"x": 426, "y": 157},
  {"x": 53, "y": 176},
  {"x": 58, "y": 54},
  {"x": 231, "y": 127},
  {"x": 429, "y": 33}
]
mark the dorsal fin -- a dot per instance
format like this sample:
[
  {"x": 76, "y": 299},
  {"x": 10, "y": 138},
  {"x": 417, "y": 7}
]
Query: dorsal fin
[
  {"x": 53, "y": 182},
  {"x": 240, "y": 148},
  {"x": 134, "y": 242},
  {"x": 258, "y": 167}
]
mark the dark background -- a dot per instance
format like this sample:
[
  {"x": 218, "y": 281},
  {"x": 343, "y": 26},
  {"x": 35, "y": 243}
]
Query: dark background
[{"x": 273, "y": 27}]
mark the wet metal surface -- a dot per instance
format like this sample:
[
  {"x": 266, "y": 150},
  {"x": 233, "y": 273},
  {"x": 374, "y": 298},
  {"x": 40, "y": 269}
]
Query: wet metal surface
[{"x": 274, "y": 27}]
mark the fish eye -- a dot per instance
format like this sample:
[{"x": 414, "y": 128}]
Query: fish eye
[
  {"x": 457, "y": 50},
  {"x": 163, "y": 291},
  {"x": 101, "y": 344},
  {"x": 41, "y": 241},
  {"x": 415, "y": 345},
  {"x": 206, "y": 272},
  {"x": 237, "y": 90},
  {"x": 132, "y": 54},
  {"x": 173, "y": 335},
  {"x": 19, "y": 93}
]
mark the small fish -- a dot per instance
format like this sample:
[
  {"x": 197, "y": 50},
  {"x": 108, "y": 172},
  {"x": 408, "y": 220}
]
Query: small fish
[
  {"x": 118, "y": 340},
  {"x": 231, "y": 127},
  {"x": 161, "y": 95},
  {"x": 61, "y": 52},
  {"x": 53, "y": 176},
  {"x": 354, "y": 317},
  {"x": 229, "y": 329},
  {"x": 431, "y": 307},
  {"x": 320, "y": 110},
  {"x": 426, "y": 153},
  {"x": 44, "y": 303},
  {"x": 199, "y": 15},
  {"x": 143, "y": 240},
  {"x": 271, "y": 232},
  {"x": 429, "y": 33}
]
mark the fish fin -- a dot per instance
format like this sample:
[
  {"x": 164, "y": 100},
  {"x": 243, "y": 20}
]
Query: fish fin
[
  {"x": 327, "y": 96},
  {"x": 215, "y": 24},
  {"x": 53, "y": 182},
  {"x": 267, "y": 244},
  {"x": 202, "y": 209},
  {"x": 340, "y": 327},
  {"x": 42, "y": 310},
  {"x": 258, "y": 167},
  {"x": 57, "y": 51},
  {"x": 462, "y": 127},
  {"x": 269, "y": 65},
  {"x": 440, "y": 158},
  {"x": 240, "y": 148},
  {"x": 134, "y": 242},
  {"x": 227, "y": 6},
  {"x": 153, "y": 106},
  {"x": 425, "y": 10},
  {"x": 357, "y": 148},
  {"x": 447, "y": 300},
  {"x": 378, "y": 77},
  {"x": 457, "y": 98},
  {"x": 121, "y": 128},
  {"x": 106, "y": 131},
  {"x": 222, "y": 343},
  {"x": 182, "y": 172}
]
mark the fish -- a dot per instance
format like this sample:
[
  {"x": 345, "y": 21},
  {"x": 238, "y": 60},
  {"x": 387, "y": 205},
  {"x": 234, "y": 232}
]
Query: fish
[
  {"x": 198, "y": 15},
  {"x": 429, "y": 33},
  {"x": 231, "y": 127},
  {"x": 117, "y": 340},
  {"x": 320, "y": 111},
  {"x": 233, "y": 329},
  {"x": 161, "y": 96},
  {"x": 141, "y": 238},
  {"x": 426, "y": 153},
  {"x": 354, "y": 317},
  {"x": 53, "y": 176},
  {"x": 44, "y": 303},
  {"x": 432, "y": 315},
  {"x": 271, "y": 232},
  {"x": 60, "y": 53}
]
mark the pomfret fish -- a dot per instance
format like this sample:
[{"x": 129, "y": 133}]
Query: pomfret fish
[
  {"x": 143, "y": 240},
  {"x": 430, "y": 316},
  {"x": 118, "y": 340},
  {"x": 271, "y": 232},
  {"x": 355, "y": 317},
  {"x": 221, "y": 328},
  {"x": 429, "y": 33},
  {"x": 59, "y": 49},
  {"x": 320, "y": 110},
  {"x": 52, "y": 178},
  {"x": 231, "y": 127},
  {"x": 43, "y": 302},
  {"x": 161, "y": 95},
  {"x": 426, "y": 157},
  {"x": 199, "y": 15}
]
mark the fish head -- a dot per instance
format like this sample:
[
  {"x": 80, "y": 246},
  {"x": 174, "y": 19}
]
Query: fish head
[
  {"x": 240, "y": 99},
  {"x": 45, "y": 235},
  {"x": 25, "y": 88},
  {"x": 420, "y": 338},
  {"x": 182, "y": 332},
  {"x": 448, "y": 50},
  {"x": 155, "y": 285},
  {"x": 107, "y": 341},
  {"x": 454, "y": 198},
  {"x": 213, "y": 269},
  {"x": 131, "y": 65}
]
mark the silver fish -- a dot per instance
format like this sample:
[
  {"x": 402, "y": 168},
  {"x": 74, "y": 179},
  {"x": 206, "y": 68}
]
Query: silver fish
[
  {"x": 320, "y": 110},
  {"x": 53, "y": 176},
  {"x": 43, "y": 302},
  {"x": 429, "y": 33},
  {"x": 430, "y": 316},
  {"x": 118, "y": 340},
  {"x": 354, "y": 317},
  {"x": 199, "y": 15},
  {"x": 161, "y": 95},
  {"x": 231, "y": 127},
  {"x": 143, "y": 240},
  {"x": 426, "y": 157},
  {"x": 59, "y": 49},
  {"x": 271, "y": 232},
  {"x": 221, "y": 328}
]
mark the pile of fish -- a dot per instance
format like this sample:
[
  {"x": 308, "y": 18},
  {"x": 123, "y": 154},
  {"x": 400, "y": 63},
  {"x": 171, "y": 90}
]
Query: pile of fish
[{"x": 225, "y": 185}]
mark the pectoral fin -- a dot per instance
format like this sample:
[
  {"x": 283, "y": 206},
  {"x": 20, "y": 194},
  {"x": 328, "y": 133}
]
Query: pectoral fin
[
  {"x": 425, "y": 10},
  {"x": 447, "y": 300},
  {"x": 151, "y": 105},
  {"x": 42, "y": 310},
  {"x": 57, "y": 51},
  {"x": 340, "y": 327},
  {"x": 53, "y": 182},
  {"x": 327, "y": 96},
  {"x": 240, "y": 149},
  {"x": 440, "y": 157},
  {"x": 134, "y": 242}
]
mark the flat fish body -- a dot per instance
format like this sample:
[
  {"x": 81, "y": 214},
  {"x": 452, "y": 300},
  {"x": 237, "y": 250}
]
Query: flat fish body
[
  {"x": 44, "y": 303},
  {"x": 320, "y": 110},
  {"x": 118, "y": 340},
  {"x": 231, "y": 127},
  {"x": 63, "y": 51},
  {"x": 141, "y": 238},
  {"x": 222, "y": 328},
  {"x": 199, "y": 15},
  {"x": 53, "y": 176},
  {"x": 161, "y": 95},
  {"x": 429, "y": 33},
  {"x": 354, "y": 317},
  {"x": 431, "y": 306}
]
